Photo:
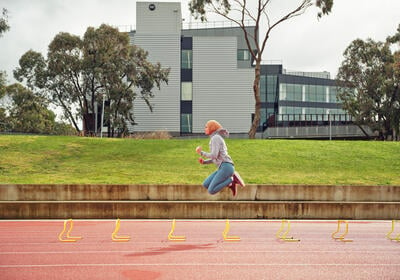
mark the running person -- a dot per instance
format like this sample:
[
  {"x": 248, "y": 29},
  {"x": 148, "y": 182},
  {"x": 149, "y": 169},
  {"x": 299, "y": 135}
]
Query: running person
[{"x": 225, "y": 175}]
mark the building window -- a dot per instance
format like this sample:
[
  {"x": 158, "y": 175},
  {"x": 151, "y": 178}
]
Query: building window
[
  {"x": 294, "y": 92},
  {"x": 332, "y": 95},
  {"x": 315, "y": 93},
  {"x": 321, "y": 94},
  {"x": 310, "y": 93},
  {"x": 243, "y": 55},
  {"x": 186, "y": 123},
  {"x": 291, "y": 92},
  {"x": 186, "y": 91},
  {"x": 186, "y": 59},
  {"x": 263, "y": 89},
  {"x": 282, "y": 92},
  {"x": 271, "y": 88}
]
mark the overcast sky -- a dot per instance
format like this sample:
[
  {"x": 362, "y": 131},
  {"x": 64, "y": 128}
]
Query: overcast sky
[{"x": 301, "y": 44}]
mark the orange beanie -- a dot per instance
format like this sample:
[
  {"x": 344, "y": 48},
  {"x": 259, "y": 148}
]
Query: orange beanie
[{"x": 213, "y": 126}]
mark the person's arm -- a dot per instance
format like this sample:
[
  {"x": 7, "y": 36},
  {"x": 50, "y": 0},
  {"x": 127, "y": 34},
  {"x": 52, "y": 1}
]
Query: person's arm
[
  {"x": 202, "y": 161},
  {"x": 213, "y": 154},
  {"x": 214, "y": 146}
]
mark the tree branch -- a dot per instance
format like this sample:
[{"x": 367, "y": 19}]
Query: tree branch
[{"x": 298, "y": 11}]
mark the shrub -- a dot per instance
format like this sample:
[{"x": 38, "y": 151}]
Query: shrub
[{"x": 151, "y": 135}]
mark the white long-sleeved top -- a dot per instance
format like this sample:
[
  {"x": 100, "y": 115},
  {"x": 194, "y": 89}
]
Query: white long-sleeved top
[{"x": 218, "y": 149}]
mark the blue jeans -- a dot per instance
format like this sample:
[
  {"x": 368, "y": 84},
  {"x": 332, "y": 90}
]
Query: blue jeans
[{"x": 220, "y": 178}]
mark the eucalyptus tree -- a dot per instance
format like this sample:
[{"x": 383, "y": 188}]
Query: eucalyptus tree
[
  {"x": 28, "y": 112},
  {"x": 253, "y": 21},
  {"x": 3, "y": 83},
  {"x": 369, "y": 79},
  {"x": 80, "y": 71},
  {"x": 4, "y": 26}
]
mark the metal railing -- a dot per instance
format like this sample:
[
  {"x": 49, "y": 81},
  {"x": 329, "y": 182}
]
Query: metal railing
[
  {"x": 214, "y": 24},
  {"x": 125, "y": 28},
  {"x": 194, "y": 25},
  {"x": 293, "y": 120}
]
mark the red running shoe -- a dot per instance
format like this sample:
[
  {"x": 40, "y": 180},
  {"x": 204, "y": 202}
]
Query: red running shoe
[
  {"x": 233, "y": 188},
  {"x": 237, "y": 179}
]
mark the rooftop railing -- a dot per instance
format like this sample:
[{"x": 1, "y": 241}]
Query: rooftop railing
[
  {"x": 194, "y": 25},
  {"x": 125, "y": 28},
  {"x": 214, "y": 24},
  {"x": 293, "y": 120}
]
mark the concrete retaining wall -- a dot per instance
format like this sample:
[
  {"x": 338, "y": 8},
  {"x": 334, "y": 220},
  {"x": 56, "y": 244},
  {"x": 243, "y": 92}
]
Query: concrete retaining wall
[
  {"x": 14, "y": 192},
  {"x": 199, "y": 210},
  {"x": 193, "y": 202}
]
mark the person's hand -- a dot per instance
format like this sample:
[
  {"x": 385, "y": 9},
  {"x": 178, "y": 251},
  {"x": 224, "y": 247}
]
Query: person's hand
[
  {"x": 198, "y": 150},
  {"x": 201, "y": 160}
]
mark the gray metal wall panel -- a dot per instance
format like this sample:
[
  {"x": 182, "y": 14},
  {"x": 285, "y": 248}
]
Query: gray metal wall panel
[
  {"x": 165, "y": 19},
  {"x": 159, "y": 33},
  {"x": 221, "y": 91},
  {"x": 221, "y": 32},
  {"x": 166, "y": 111}
]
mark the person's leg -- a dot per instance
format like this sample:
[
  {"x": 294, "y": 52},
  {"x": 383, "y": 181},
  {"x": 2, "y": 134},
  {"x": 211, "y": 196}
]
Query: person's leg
[
  {"x": 222, "y": 178},
  {"x": 208, "y": 180}
]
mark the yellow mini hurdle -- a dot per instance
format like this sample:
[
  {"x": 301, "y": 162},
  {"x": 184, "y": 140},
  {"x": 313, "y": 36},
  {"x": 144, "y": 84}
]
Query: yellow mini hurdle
[
  {"x": 172, "y": 237},
  {"x": 342, "y": 236},
  {"x": 283, "y": 235},
  {"x": 226, "y": 231},
  {"x": 388, "y": 235},
  {"x": 119, "y": 238},
  {"x": 68, "y": 238}
]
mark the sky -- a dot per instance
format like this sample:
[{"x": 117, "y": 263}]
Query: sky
[{"x": 303, "y": 43}]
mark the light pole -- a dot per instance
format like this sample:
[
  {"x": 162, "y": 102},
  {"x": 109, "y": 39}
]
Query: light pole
[
  {"x": 102, "y": 118},
  {"x": 330, "y": 126}
]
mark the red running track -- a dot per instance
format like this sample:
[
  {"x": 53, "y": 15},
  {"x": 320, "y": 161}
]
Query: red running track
[{"x": 31, "y": 250}]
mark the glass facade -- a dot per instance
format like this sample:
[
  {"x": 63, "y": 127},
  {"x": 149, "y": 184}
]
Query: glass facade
[
  {"x": 333, "y": 92},
  {"x": 186, "y": 59},
  {"x": 268, "y": 88},
  {"x": 243, "y": 54},
  {"x": 271, "y": 94},
  {"x": 297, "y": 100},
  {"x": 269, "y": 97},
  {"x": 186, "y": 123},
  {"x": 263, "y": 88},
  {"x": 308, "y": 93},
  {"x": 310, "y": 99},
  {"x": 186, "y": 85},
  {"x": 292, "y": 92},
  {"x": 314, "y": 93}
]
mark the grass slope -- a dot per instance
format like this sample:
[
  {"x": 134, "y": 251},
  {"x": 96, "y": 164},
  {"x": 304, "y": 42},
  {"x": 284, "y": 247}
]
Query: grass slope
[{"x": 79, "y": 160}]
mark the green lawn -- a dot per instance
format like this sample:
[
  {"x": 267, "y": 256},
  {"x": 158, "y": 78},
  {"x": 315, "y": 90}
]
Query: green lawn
[{"x": 80, "y": 160}]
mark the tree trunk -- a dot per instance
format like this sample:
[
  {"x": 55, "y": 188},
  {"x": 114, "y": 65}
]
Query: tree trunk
[
  {"x": 70, "y": 117},
  {"x": 69, "y": 114},
  {"x": 256, "y": 91},
  {"x": 74, "y": 123},
  {"x": 363, "y": 130}
]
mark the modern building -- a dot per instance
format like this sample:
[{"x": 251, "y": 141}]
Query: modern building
[
  {"x": 211, "y": 77},
  {"x": 205, "y": 80}
]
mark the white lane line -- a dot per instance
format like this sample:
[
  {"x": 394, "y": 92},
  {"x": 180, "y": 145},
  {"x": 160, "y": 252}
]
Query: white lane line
[
  {"x": 201, "y": 220},
  {"x": 377, "y": 252},
  {"x": 195, "y": 241},
  {"x": 194, "y": 264}
]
